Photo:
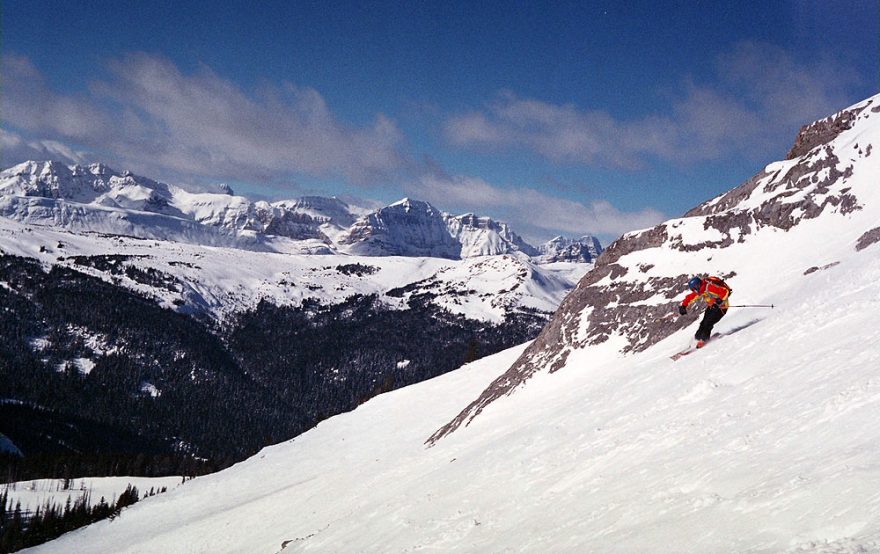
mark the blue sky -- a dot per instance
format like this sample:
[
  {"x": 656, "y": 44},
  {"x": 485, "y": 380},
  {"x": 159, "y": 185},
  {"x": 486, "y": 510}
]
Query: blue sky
[{"x": 561, "y": 118}]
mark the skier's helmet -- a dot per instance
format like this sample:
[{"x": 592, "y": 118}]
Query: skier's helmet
[{"x": 695, "y": 283}]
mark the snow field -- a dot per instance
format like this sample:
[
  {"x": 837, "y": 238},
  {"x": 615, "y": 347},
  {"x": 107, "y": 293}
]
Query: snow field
[
  {"x": 223, "y": 281},
  {"x": 34, "y": 494}
]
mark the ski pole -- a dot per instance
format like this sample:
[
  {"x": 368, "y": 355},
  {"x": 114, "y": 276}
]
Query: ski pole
[{"x": 752, "y": 306}]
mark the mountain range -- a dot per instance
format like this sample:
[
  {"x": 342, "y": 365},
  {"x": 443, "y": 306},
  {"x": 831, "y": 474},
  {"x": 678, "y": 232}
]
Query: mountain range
[{"x": 98, "y": 199}]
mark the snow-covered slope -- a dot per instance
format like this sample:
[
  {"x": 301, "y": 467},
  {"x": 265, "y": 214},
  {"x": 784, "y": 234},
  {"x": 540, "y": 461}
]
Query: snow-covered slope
[
  {"x": 764, "y": 442},
  {"x": 220, "y": 281},
  {"x": 594, "y": 440}
]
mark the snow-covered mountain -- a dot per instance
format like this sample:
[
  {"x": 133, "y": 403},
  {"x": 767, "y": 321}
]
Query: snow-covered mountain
[
  {"x": 590, "y": 438},
  {"x": 760, "y": 237},
  {"x": 561, "y": 249},
  {"x": 481, "y": 236},
  {"x": 99, "y": 199},
  {"x": 415, "y": 228},
  {"x": 405, "y": 228}
]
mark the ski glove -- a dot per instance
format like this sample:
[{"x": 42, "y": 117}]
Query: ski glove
[{"x": 682, "y": 310}]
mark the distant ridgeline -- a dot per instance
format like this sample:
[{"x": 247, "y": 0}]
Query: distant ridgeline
[{"x": 173, "y": 394}]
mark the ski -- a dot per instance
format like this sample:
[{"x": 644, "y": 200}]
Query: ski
[
  {"x": 682, "y": 354},
  {"x": 693, "y": 348}
]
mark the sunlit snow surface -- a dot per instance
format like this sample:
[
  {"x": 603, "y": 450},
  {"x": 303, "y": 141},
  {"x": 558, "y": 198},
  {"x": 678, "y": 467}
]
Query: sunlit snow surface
[
  {"x": 36, "y": 493},
  {"x": 221, "y": 281},
  {"x": 765, "y": 441}
]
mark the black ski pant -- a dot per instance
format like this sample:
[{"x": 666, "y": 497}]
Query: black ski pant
[{"x": 712, "y": 316}]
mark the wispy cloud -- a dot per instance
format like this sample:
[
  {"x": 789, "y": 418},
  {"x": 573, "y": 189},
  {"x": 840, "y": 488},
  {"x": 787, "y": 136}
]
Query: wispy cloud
[
  {"x": 531, "y": 209},
  {"x": 200, "y": 123},
  {"x": 28, "y": 103},
  {"x": 14, "y": 148},
  {"x": 759, "y": 97}
]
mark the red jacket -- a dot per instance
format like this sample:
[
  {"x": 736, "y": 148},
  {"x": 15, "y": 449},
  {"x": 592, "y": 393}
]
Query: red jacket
[{"x": 713, "y": 291}]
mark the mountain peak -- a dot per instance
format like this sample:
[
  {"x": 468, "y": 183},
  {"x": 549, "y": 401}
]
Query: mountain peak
[
  {"x": 411, "y": 204},
  {"x": 102, "y": 170},
  {"x": 562, "y": 249}
]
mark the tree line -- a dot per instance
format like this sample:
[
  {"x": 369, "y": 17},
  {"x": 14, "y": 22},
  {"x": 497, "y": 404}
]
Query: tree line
[{"x": 22, "y": 529}]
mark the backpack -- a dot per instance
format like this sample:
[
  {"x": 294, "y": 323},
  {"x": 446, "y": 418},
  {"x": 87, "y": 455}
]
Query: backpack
[{"x": 720, "y": 282}]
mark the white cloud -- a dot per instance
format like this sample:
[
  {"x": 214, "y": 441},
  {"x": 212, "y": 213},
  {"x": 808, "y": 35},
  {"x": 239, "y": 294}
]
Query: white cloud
[
  {"x": 759, "y": 99},
  {"x": 149, "y": 111},
  {"x": 14, "y": 149},
  {"x": 531, "y": 209}
]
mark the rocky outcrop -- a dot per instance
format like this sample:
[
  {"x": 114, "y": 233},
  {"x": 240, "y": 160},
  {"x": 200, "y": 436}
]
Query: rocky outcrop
[
  {"x": 869, "y": 238},
  {"x": 823, "y": 131}
]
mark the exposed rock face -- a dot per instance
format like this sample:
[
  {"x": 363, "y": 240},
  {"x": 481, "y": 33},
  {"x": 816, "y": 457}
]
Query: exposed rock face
[
  {"x": 626, "y": 298},
  {"x": 869, "y": 238},
  {"x": 279, "y": 221},
  {"x": 823, "y": 131}
]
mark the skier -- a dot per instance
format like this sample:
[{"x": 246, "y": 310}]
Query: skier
[{"x": 716, "y": 294}]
